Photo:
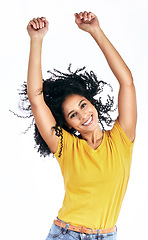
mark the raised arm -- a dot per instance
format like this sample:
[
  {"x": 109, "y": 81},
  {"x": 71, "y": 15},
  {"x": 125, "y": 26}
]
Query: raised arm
[
  {"x": 127, "y": 96},
  {"x": 37, "y": 28}
]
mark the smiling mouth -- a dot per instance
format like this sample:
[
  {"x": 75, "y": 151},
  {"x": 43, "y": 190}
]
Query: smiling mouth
[{"x": 89, "y": 121}]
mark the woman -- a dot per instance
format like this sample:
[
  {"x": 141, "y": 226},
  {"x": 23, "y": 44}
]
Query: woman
[{"x": 95, "y": 165}]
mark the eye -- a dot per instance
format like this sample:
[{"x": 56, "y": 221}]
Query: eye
[
  {"x": 73, "y": 115},
  {"x": 83, "y": 105}
]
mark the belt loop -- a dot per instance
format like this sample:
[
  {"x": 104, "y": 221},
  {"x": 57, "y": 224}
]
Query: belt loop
[
  {"x": 98, "y": 233},
  {"x": 65, "y": 229},
  {"x": 91, "y": 233}
]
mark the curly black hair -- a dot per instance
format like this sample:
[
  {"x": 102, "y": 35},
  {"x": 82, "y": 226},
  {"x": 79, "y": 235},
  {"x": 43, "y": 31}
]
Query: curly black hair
[{"x": 56, "y": 89}]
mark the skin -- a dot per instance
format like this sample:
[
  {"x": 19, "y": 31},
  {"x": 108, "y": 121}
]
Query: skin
[
  {"x": 77, "y": 111},
  {"x": 88, "y": 22}
]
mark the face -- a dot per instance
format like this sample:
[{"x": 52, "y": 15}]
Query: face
[{"x": 80, "y": 114}]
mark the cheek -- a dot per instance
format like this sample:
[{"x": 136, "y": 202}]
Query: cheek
[
  {"x": 95, "y": 112},
  {"x": 74, "y": 123},
  {"x": 92, "y": 108},
  {"x": 71, "y": 123}
]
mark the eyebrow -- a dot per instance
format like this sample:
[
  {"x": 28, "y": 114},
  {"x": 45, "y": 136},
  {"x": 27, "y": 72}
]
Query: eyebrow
[{"x": 78, "y": 105}]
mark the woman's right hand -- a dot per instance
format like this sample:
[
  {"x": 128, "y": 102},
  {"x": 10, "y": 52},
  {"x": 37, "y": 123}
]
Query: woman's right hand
[{"x": 37, "y": 28}]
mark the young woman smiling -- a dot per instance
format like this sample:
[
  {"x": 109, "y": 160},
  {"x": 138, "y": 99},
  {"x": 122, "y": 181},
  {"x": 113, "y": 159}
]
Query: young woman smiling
[{"x": 95, "y": 163}]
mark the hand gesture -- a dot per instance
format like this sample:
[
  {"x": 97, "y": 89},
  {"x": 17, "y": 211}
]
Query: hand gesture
[
  {"x": 37, "y": 28},
  {"x": 87, "y": 21}
]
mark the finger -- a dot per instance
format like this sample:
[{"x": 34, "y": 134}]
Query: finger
[
  {"x": 36, "y": 22},
  {"x": 85, "y": 15},
  {"x": 40, "y": 22},
  {"x": 81, "y": 15},
  {"x": 77, "y": 17},
  {"x": 91, "y": 16},
  {"x": 32, "y": 24},
  {"x": 46, "y": 23}
]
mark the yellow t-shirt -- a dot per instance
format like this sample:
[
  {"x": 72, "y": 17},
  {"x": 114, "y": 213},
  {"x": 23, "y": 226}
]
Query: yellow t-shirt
[{"x": 95, "y": 180}]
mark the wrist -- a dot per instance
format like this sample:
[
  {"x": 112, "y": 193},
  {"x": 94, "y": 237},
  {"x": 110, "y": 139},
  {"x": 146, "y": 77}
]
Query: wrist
[
  {"x": 36, "y": 44},
  {"x": 96, "y": 32},
  {"x": 34, "y": 40},
  {"x": 99, "y": 36}
]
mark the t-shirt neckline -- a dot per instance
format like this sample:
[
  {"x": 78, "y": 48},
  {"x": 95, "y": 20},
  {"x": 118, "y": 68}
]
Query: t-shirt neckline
[{"x": 98, "y": 148}]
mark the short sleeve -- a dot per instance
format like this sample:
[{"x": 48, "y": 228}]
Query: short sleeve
[
  {"x": 118, "y": 133},
  {"x": 65, "y": 140}
]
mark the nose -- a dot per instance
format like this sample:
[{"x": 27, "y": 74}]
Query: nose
[{"x": 81, "y": 115}]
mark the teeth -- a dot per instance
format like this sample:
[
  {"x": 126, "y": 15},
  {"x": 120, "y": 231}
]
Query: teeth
[{"x": 89, "y": 120}]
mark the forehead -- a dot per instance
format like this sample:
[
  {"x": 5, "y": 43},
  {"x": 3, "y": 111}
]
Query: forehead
[{"x": 72, "y": 101}]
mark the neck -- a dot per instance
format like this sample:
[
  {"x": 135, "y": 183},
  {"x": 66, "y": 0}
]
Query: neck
[{"x": 94, "y": 136}]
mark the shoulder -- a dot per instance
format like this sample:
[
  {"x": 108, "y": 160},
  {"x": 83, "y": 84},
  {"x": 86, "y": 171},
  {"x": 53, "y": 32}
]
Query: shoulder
[
  {"x": 66, "y": 139},
  {"x": 118, "y": 134}
]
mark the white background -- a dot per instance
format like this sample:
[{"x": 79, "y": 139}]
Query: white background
[{"x": 31, "y": 188}]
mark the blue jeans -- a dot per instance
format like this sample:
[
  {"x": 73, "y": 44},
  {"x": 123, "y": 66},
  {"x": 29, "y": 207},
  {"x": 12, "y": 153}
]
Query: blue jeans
[{"x": 59, "y": 233}]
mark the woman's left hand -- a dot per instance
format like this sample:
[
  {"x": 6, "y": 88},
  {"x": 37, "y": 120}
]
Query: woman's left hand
[{"x": 87, "y": 21}]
